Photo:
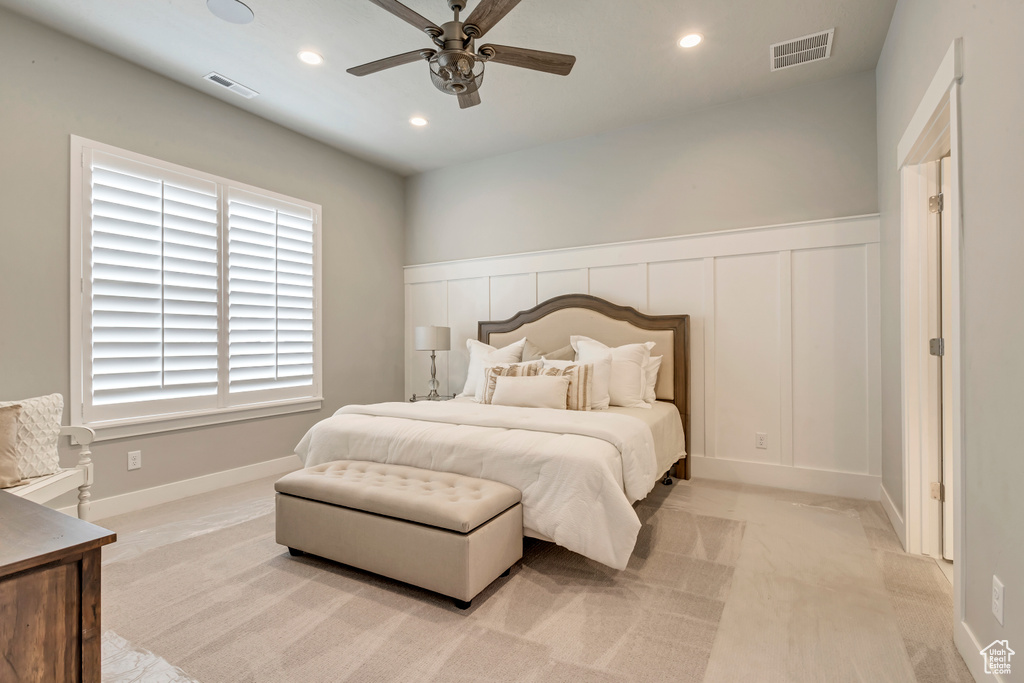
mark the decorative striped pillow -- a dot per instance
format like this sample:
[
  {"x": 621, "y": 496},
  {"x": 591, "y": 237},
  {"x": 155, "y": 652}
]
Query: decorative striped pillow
[
  {"x": 581, "y": 384},
  {"x": 507, "y": 370}
]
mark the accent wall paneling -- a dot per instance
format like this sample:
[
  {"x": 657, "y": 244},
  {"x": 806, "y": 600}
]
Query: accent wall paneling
[{"x": 784, "y": 337}]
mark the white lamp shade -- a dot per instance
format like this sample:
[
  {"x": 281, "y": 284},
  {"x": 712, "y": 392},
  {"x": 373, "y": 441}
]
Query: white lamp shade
[{"x": 433, "y": 338}]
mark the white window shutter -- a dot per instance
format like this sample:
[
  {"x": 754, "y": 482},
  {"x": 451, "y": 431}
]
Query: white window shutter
[
  {"x": 198, "y": 296},
  {"x": 270, "y": 297},
  {"x": 154, "y": 286}
]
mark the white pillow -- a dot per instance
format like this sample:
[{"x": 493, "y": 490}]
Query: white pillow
[
  {"x": 527, "y": 369},
  {"x": 627, "y": 382},
  {"x": 38, "y": 431},
  {"x": 481, "y": 354},
  {"x": 653, "y": 365},
  {"x": 539, "y": 391}
]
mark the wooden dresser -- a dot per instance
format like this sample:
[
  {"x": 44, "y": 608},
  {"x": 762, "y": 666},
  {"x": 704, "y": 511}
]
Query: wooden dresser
[{"x": 49, "y": 593}]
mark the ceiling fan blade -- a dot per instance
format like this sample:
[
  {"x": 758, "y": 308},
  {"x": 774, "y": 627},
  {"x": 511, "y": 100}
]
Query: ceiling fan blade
[
  {"x": 388, "y": 62},
  {"x": 467, "y": 100},
  {"x": 488, "y": 13},
  {"x": 406, "y": 14},
  {"x": 549, "y": 62}
]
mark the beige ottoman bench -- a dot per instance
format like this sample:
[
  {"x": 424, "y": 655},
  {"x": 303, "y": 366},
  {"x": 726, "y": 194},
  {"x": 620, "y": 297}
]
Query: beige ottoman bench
[{"x": 444, "y": 532}]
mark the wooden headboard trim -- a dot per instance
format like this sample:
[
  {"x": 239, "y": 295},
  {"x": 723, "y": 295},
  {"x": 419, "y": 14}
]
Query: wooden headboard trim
[{"x": 679, "y": 324}]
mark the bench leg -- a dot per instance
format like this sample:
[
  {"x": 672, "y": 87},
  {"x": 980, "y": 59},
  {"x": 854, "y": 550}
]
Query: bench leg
[
  {"x": 463, "y": 604},
  {"x": 506, "y": 572},
  {"x": 295, "y": 552}
]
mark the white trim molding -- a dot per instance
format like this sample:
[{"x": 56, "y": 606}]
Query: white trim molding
[
  {"x": 925, "y": 127},
  {"x": 161, "y": 495},
  {"x": 895, "y": 518},
  {"x": 784, "y": 337},
  {"x": 933, "y": 132},
  {"x": 828, "y": 482}
]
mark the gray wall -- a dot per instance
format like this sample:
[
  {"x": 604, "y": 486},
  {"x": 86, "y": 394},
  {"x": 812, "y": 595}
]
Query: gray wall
[
  {"x": 992, "y": 145},
  {"x": 52, "y": 86},
  {"x": 803, "y": 154}
]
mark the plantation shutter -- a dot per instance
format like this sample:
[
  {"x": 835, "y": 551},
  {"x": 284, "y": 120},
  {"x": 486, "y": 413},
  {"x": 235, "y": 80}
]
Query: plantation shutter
[
  {"x": 154, "y": 288},
  {"x": 270, "y": 297}
]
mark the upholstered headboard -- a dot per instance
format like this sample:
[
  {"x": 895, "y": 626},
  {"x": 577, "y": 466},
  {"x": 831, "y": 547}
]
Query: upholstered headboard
[{"x": 550, "y": 324}]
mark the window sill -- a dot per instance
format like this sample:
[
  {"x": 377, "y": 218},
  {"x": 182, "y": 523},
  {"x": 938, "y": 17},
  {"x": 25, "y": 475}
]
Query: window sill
[{"x": 141, "y": 426}]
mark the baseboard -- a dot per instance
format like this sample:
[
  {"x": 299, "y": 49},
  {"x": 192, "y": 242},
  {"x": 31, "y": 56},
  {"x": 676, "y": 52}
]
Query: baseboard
[
  {"x": 895, "y": 518},
  {"x": 845, "y": 484},
  {"x": 970, "y": 649},
  {"x": 159, "y": 495}
]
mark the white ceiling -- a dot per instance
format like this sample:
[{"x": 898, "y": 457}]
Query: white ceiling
[{"x": 629, "y": 68}]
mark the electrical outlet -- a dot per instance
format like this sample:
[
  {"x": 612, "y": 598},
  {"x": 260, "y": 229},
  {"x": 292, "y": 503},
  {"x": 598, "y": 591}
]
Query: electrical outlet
[
  {"x": 997, "y": 599},
  {"x": 761, "y": 440},
  {"x": 134, "y": 460}
]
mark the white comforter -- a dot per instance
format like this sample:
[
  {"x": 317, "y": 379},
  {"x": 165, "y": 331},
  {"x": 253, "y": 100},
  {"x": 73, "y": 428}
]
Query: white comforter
[{"x": 579, "y": 472}]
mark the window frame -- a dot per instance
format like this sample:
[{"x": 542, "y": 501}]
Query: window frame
[{"x": 81, "y": 312}]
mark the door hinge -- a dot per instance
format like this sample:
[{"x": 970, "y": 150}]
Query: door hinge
[
  {"x": 935, "y": 203},
  {"x": 938, "y": 491},
  {"x": 937, "y": 347}
]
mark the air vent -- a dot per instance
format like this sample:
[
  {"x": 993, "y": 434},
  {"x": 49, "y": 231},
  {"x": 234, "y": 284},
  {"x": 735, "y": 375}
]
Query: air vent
[
  {"x": 802, "y": 50},
  {"x": 237, "y": 88}
]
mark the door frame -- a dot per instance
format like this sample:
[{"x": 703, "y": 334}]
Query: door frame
[{"x": 934, "y": 132}]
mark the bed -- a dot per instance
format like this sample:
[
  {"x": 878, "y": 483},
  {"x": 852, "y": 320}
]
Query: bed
[{"x": 580, "y": 472}]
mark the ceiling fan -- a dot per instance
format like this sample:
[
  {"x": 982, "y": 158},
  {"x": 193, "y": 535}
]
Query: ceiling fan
[{"x": 457, "y": 68}]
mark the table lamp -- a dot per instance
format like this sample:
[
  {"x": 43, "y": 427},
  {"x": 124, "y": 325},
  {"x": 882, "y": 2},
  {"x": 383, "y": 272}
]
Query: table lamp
[{"x": 433, "y": 339}]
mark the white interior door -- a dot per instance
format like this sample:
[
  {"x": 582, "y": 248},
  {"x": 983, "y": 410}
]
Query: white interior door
[{"x": 946, "y": 295}]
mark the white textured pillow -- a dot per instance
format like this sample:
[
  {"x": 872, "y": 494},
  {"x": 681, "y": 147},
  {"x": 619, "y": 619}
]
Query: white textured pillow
[
  {"x": 481, "y": 354},
  {"x": 540, "y": 391},
  {"x": 627, "y": 381},
  {"x": 38, "y": 431},
  {"x": 653, "y": 365}
]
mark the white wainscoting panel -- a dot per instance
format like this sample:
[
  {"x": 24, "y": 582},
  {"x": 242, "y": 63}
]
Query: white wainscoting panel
[
  {"x": 468, "y": 303},
  {"x": 558, "y": 282},
  {"x": 747, "y": 357},
  {"x": 679, "y": 286},
  {"x": 622, "y": 285},
  {"x": 511, "y": 294},
  {"x": 784, "y": 340},
  {"x": 830, "y": 360}
]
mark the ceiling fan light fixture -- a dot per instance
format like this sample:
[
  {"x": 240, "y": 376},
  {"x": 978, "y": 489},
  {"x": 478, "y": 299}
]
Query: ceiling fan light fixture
[
  {"x": 418, "y": 121},
  {"x": 691, "y": 40},
  {"x": 231, "y": 11},
  {"x": 311, "y": 58}
]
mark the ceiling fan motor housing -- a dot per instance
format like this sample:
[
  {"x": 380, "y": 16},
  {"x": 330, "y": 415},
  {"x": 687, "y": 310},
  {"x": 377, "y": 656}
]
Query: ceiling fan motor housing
[{"x": 456, "y": 72}]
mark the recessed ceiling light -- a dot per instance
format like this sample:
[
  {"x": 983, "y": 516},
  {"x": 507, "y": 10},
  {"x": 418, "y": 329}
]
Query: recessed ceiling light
[
  {"x": 230, "y": 10},
  {"x": 418, "y": 121},
  {"x": 310, "y": 57},
  {"x": 692, "y": 40}
]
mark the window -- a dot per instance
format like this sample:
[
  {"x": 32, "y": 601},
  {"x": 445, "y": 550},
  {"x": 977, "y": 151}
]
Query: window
[{"x": 194, "y": 298}]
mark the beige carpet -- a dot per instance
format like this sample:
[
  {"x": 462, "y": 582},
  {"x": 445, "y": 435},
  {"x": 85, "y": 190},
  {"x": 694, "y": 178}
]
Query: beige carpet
[{"x": 232, "y": 605}]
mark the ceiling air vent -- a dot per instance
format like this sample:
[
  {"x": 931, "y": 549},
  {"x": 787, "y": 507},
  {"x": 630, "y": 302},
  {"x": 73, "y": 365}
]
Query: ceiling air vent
[
  {"x": 802, "y": 50},
  {"x": 237, "y": 88}
]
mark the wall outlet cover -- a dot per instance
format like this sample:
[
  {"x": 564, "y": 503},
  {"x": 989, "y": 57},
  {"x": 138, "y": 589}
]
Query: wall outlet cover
[
  {"x": 134, "y": 460},
  {"x": 997, "y": 599},
  {"x": 761, "y": 440}
]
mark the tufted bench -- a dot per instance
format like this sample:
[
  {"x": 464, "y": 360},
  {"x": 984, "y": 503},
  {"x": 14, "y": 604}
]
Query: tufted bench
[{"x": 444, "y": 532}]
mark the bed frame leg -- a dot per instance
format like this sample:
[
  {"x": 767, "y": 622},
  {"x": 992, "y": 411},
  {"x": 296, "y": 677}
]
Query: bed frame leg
[
  {"x": 667, "y": 479},
  {"x": 683, "y": 469}
]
